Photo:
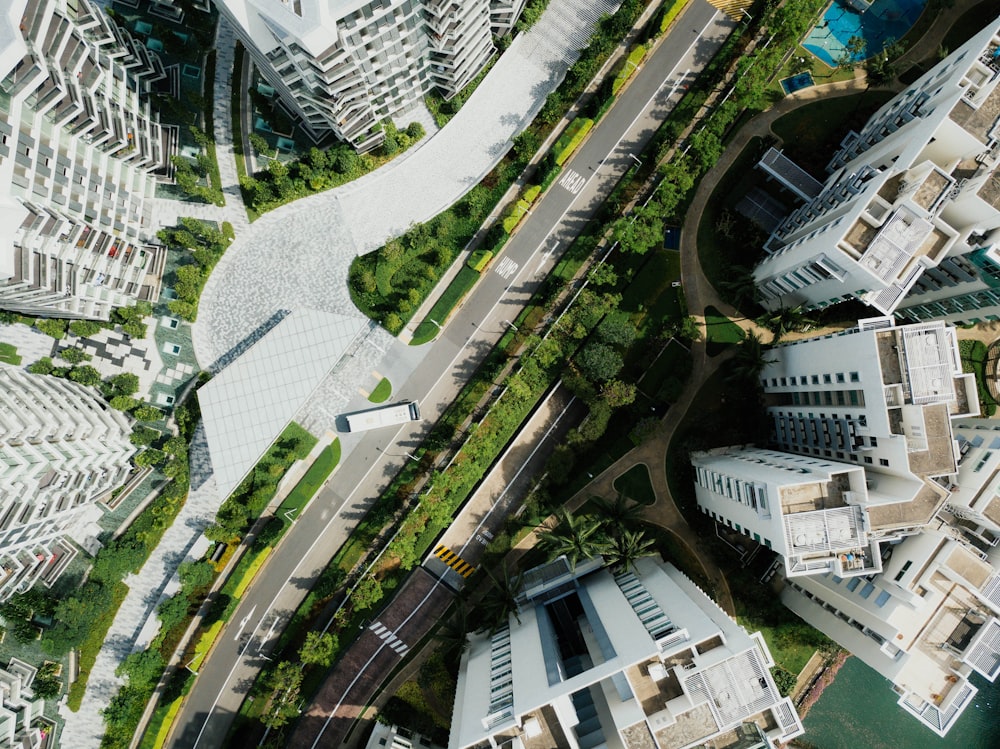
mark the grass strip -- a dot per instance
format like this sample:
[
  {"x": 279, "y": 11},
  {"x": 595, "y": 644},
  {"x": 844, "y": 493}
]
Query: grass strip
[{"x": 251, "y": 571}]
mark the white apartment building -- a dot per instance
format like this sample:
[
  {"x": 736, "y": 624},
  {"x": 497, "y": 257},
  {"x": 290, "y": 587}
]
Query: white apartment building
[
  {"x": 22, "y": 723},
  {"x": 624, "y": 660},
  {"x": 61, "y": 449},
  {"x": 78, "y": 145},
  {"x": 926, "y": 623},
  {"x": 343, "y": 66},
  {"x": 911, "y": 206},
  {"x": 880, "y": 398},
  {"x": 810, "y": 511}
]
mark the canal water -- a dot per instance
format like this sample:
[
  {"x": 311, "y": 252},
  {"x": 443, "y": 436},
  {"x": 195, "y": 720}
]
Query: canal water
[{"x": 859, "y": 711}]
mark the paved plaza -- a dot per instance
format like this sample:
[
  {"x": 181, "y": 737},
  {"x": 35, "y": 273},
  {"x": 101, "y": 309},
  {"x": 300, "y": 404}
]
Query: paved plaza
[{"x": 299, "y": 255}]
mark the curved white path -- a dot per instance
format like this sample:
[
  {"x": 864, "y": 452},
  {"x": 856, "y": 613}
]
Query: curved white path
[{"x": 299, "y": 255}]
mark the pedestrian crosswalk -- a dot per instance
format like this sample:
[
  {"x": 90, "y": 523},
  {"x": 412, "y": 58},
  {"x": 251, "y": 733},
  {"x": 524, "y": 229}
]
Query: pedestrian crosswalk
[
  {"x": 384, "y": 633},
  {"x": 454, "y": 561},
  {"x": 572, "y": 181}
]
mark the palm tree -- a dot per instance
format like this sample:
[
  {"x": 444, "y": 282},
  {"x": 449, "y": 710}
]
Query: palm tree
[
  {"x": 785, "y": 320},
  {"x": 740, "y": 287},
  {"x": 616, "y": 515},
  {"x": 454, "y": 630},
  {"x": 499, "y": 601},
  {"x": 628, "y": 548},
  {"x": 576, "y": 537},
  {"x": 750, "y": 359}
]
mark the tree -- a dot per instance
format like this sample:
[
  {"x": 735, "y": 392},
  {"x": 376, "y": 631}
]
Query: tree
[
  {"x": 499, "y": 602},
  {"x": 124, "y": 402},
  {"x": 740, "y": 286},
  {"x": 577, "y": 537},
  {"x": 627, "y": 548},
  {"x": 599, "y": 362},
  {"x": 783, "y": 680},
  {"x": 195, "y": 575},
  {"x": 74, "y": 355},
  {"x": 318, "y": 649},
  {"x": 785, "y": 320},
  {"x": 85, "y": 375},
  {"x": 143, "y": 436},
  {"x": 617, "y": 393},
  {"x": 148, "y": 413},
  {"x": 259, "y": 144},
  {"x": 617, "y": 515},
  {"x": 47, "y": 683},
  {"x": 283, "y": 684},
  {"x": 125, "y": 383},
  {"x": 750, "y": 359},
  {"x": 617, "y": 329},
  {"x": 43, "y": 366},
  {"x": 640, "y": 232},
  {"x": 51, "y": 327}
]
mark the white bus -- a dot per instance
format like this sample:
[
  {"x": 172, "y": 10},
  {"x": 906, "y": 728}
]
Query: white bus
[{"x": 385, "y": 416}]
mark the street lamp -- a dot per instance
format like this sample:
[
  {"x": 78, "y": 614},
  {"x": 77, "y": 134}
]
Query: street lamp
[
  {"x": 512, "y": 325},
  {"x": 638, "y": 161},
  {"x": 744, "y": 12}
]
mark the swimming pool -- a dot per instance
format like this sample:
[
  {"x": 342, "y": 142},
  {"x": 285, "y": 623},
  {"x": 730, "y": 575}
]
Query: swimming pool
[
  {"x": 797, "y": 82},
  {"x": 884, "y": 21}
]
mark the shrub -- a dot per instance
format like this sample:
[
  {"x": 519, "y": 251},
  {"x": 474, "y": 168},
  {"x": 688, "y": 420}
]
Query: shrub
[
  {"x": 479, "y": 259},
  {"x": 84, "y": 328},
  {"x": 532, "y": 193},
  {"x": 571, "y": 138},
  {"x": 51, "y": 327}
]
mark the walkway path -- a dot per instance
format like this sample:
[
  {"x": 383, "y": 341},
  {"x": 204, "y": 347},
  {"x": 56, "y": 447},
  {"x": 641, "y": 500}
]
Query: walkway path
[
  {"x": 167, "y": 212},
  {"x": 86, "y": 726},
  {"x": 299, "y": 255}
]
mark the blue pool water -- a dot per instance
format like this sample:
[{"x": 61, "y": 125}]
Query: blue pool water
[
  {"x": 884, "y": 21},
  {"x": 797, "y": 82}
]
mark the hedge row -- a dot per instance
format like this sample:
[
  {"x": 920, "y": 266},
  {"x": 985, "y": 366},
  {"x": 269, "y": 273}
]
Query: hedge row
[{"x": 571, "y": 138}]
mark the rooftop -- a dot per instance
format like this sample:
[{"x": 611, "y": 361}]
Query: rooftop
[{"x": 978, "y": 121}]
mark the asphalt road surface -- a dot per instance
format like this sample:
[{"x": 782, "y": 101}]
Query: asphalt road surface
[{"x": 557, "y": 218}]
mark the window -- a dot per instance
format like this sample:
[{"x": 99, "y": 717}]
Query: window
[
  {"x": 883, "y": 599},
  {"x": 867, "y": 591},
  {"x": 883, "y": 462},
  {"x": 827, "y": 379},
  {"x": 868, "y": 460},
  {"x": 902, "y": 571},
  {"x": 815, "y": 379},
  {"x": 840, "y": 376},
  {"x": 853, "y": 584}
]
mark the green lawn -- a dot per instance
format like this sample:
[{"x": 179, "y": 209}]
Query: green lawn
[
  {"x": 811, "y": 134},
  {"x": 720, "y": 331},
  {"x": 664, "y": 379},
  {"x": 650, "y": 291},
  {"x": 309, "y": 484},
  {"x": 305, "y": 440},
  {"x": 973, "y": 355},
  {"x": 463, "y": 282},
  {"x": 8, "y": 354},
  {"x": 635, "y": 485},
  {"x": 381, "y": 392}
]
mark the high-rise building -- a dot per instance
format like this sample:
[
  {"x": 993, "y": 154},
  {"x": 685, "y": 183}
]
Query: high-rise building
[
  {"x": 78, "y": 146},
  {"x": 22, "y": 723},
  {"x": 879, "y": 397},
  {"x": 910, "y": 214},
  {"x": 638, "y": 659},
  {"x": 926, "y": 623},
  {"x": 61, "y": 449},
  {"x": 343, "y": 66}
]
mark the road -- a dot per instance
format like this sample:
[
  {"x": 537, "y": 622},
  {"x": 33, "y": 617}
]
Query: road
[{"x": 558, "y": 217}]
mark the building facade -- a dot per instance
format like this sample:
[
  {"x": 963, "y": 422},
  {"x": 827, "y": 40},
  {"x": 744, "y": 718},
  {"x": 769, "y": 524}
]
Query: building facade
[
  {"x": 61, "y": 449},
  {"x": 78, "y": 146},
  {"x": 910, "y": 212},
  {"x": 22, "y": 722},
  {"x": 344, "y": 66},
  {"x": 622, "y": 659}
]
